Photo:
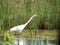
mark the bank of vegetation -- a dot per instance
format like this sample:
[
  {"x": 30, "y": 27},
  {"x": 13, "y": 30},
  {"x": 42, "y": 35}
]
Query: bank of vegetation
[{"x": 13, "y": 13}]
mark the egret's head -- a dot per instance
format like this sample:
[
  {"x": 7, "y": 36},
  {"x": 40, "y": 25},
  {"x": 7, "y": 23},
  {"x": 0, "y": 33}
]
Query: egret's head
[{"x": 35, "y": 15}]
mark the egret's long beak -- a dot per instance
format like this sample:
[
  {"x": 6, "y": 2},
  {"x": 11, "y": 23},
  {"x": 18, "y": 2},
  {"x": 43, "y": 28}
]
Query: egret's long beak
[{"x": 36, "y": 15}]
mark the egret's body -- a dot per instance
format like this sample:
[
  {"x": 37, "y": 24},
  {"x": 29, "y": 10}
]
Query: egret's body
[
  {"x": 21, "y": 27},
  {"x": 18, "y": 28}
]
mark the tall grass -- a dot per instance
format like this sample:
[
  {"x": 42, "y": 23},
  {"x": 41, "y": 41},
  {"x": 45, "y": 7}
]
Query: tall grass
[{"x": 13, "y": 13}]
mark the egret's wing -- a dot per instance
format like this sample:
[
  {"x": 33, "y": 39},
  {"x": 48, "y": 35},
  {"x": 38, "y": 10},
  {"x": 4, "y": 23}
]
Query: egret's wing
[{"x": 14, "y": 28}]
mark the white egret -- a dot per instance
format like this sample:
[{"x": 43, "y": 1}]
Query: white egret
[{"x": 19, "y": 28}]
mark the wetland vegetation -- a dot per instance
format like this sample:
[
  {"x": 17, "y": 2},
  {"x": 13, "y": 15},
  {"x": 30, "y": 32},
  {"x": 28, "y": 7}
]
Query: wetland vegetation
[{"x": 17, "y": 12}]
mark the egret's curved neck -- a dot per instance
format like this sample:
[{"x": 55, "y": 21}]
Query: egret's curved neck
[{"x": 29, "y": 20}]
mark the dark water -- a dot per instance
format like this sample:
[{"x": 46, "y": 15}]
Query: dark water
[{"x": 32, "y": 42}]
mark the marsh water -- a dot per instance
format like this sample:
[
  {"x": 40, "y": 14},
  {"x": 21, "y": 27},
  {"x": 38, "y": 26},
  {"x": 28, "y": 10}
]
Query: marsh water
[
  {"x": 32, "y": 42},
  {"x": 35, "y": 42},
  {"x": 41, "y": 38}
]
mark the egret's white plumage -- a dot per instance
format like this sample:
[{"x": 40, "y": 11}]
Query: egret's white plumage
[
  {"x": 21, "y": 27},
  {"x": 18, "y": 28}
]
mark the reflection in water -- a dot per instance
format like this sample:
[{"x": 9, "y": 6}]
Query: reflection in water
[
  {"x": 34, "y": 42},
  {"x": 21, "y": 42}
]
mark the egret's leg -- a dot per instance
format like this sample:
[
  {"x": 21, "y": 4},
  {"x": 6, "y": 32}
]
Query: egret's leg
[{"x": 18, "y": 37}]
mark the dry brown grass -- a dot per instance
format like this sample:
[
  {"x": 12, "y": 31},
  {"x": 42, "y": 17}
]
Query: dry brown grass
[{"x": 39, "y": 34}]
